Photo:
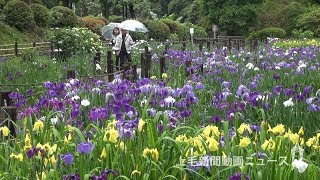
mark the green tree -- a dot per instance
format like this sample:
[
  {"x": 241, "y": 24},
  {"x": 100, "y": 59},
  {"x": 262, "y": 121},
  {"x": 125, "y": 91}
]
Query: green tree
[
  {"x": 178, "y": 7},
  {"x": 88, "y": 7},
  {"x": 280, "y": 14},
  {"x": 51, "y": 3},
  {"x": 192, "y": 13},
  {"x": 233, "y": 16}
]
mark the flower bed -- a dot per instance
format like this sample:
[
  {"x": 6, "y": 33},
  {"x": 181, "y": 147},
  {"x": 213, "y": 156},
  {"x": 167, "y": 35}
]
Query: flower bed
[{"x": 250, "y": 115}]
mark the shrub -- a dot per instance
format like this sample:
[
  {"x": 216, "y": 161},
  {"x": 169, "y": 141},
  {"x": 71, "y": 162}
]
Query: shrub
[
  {"x": 311, "y": 21},
  {"x": 60, "y": 16},
  {"x": 101, "y": 18},
  {"x": 115, "y": 19},
  {"x": 173, "y": 37},
  {"x": 92, "y": 23},
  {"x": 290, "y": 16},
  {"x": 280, "y": 14},
  {"x": 268, "y": 32},
  {"x": 18, "y": 14},
  {"x": 199, "y": 31},
  {"x": 174, "y": 27},
  {"x": 138, "y": 36},
  {"x": 185, "y": 32},
  {"x": 157, "y": 30},
  {"x": 2, "y": 4},
  {"x": 300, "y": 34},
  {"x": 33, "y": 1},
  {"x": 75, "y": 41},
  {"x": 40, "y": 14}
]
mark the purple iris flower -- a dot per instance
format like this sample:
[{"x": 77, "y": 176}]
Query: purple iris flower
[
  {"x": 222, "y": 141},
  {"x": 266, "y": 106},
  {"x": 276, "y": 76},
  {"x": 74, "y": 176},
  {"x": 215, "y": 118},
  {"x": 277, "y": 89},
  {"x": 30, "y": 92},
  {"x": 74, "y": 113},
  {"x": 226, "y": 84},
  {"x": 232, "y": 132},
  {"x": 307, "y": 90},
  {"x": 253, "y": 84},
  {"x": 253, "y": 98},
  {"x": 230, "y": 114},
  {"x": 309, "y": 100},
  {"x": 94, "y": 114},
  {"x": 152, "y": 112},
  {"x": 31, "y": 152},
  {"x": 160, "y": 127},
  {"x": 68, "y": 158},
  {"x": 288, "y": 92},
  {"x": 199, "y": 85},
  {"x": 255, "y": 128},
  {"x": 237, "y": 176},
  {"x": 85, "y": 147},
  {"x": 104, "y": 174},
  {"x": 313, "y": 107},
  {"x": 34, "y": 151},
  {"x": 186, "y": 113},
  {"x": 242, "y": 91},
  {"x": 260, "y": 155}
]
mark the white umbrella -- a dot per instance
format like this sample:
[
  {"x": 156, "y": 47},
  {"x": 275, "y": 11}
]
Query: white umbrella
[
  {"x": 133, "y": 25},
  {"x": 107, "y": 30}
]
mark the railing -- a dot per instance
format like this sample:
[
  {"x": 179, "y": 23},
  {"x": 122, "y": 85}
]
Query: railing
[{"x": 16, "y": 49}]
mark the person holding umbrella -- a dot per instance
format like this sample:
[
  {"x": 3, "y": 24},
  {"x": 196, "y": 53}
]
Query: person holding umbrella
[
  {"x": 122, "y": 46},
  {"x": 115, "y": 33}
]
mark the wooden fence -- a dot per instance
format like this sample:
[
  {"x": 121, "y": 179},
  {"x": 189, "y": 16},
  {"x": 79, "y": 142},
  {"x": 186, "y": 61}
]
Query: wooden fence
[
  {"x": 16, "y": 49},
  {"x": 230, "y": 42},
  {"x": 221, "y": 41}
]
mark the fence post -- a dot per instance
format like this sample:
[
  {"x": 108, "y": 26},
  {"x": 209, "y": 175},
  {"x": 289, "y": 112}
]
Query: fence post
[
  {"x": 109, "y": 66},
  {"x": 34, "y": 44},
  {"x": 51, "y": 48},
  {"x": 125, "y": 71},
  {"x": 71, "y": 74},
  {"x": 9, "y": 112},
  {"x": 143, "y": 65},
  {"x": 200, "y": 46},
  {"x": 97, "y": 58},
  {"x": 147, "y": 62},
  {"x": 208, "y": 45},
  {"x": 4, "y": 98},
  {"x": 225, "y": 42},
  {"x": 162, "y": 65},
  {"x": 201, "y": 68},
  {"x": 184, "y": 46},
  {"x": 16, "y": 48},
  {"x": 166, "y": 48},
  {"x": 255, "y": 44},
  {"x": 148, "y": 65},
  {"x": 188, "y": 65},
  {"x": 215, "y": 43},
  {"x": 134, "y": 73}
]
